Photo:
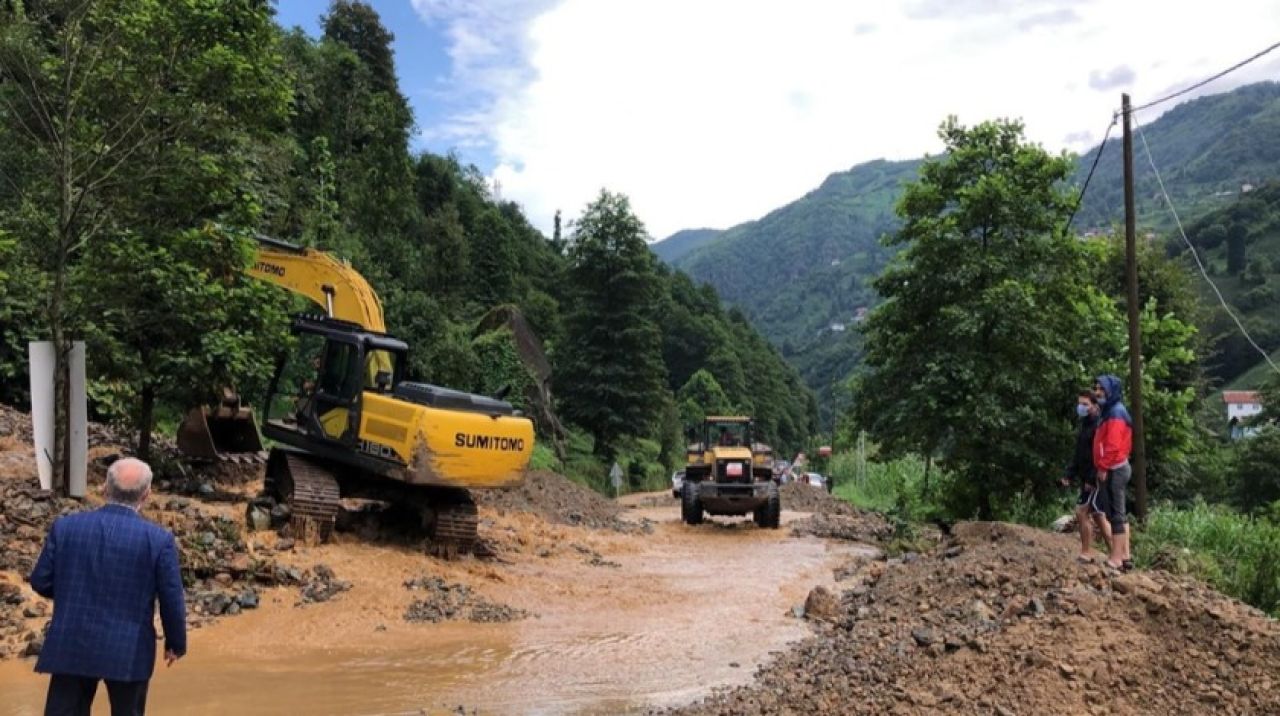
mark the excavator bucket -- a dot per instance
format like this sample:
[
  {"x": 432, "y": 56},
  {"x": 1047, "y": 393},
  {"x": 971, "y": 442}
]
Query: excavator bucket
[{"x": 226, "y": 432}]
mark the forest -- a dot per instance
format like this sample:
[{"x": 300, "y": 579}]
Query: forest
[{"x": 147, "y": 143}]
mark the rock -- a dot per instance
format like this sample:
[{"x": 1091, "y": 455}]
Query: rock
[
  {"x": 223, "y": 578},
  {"x": 258, "y": 518},
  {"x": 822, "y": 605},
  {"x": 1067, "y": 670},
  {"x": 218, "y": 604},
  {"x": 798, "y": 611},
  {"x": 1032, "y": 608},
  {"x": 284, "y": 545},
  {"x": 248, "y": 599},
  {"x": 280, "y": 515},
  {"x": 1065, "y": 523},
  {"x": 33, "y": 647},
  {"x": 923, "y": 636},
  {"x": 953, "y": 552},
  {"x": 978, "y": 611}
]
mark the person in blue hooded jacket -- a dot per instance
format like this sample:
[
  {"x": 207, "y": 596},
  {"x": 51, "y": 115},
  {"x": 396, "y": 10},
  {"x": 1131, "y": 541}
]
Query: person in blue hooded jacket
[{"x": 1112, "y": 444}]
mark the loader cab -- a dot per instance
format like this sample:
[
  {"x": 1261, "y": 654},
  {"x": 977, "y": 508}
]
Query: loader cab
[{"x": 317, "y": 388}]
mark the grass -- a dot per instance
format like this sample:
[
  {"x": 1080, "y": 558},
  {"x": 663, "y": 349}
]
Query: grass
[{"x": 1237, "y": 554}]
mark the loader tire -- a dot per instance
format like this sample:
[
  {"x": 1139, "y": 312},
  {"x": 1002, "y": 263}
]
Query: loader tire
[
  {"x": 690, "y": 505},
  {"x": 769, "y": 515}
]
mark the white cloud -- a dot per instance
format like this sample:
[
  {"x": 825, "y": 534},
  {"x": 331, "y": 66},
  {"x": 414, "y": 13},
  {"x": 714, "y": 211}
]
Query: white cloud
[{"x": 712, "y": 112}]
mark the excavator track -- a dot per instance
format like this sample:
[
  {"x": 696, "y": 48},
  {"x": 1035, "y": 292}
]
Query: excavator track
[
  {"x": 457, "y": 522},
  {"x": 311, "y": 492}
]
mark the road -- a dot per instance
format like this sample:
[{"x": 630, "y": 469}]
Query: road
[{"x": 684, "y": 610}]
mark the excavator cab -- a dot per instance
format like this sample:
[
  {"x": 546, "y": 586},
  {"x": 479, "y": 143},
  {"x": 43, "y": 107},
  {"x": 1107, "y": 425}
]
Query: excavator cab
[{"x": 316, "y": 392}]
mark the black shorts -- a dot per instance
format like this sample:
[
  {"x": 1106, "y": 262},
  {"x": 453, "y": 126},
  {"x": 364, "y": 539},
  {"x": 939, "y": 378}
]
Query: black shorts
[{"x": 1089, "y": 496}]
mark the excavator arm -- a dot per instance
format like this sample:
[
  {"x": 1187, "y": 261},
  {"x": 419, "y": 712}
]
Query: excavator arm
[
  {"x": 330, "y": 283},
  {"x": 227, "y": 430}
]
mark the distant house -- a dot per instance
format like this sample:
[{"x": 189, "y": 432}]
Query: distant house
[
  {"x": 860, "y": 315},
  {"x": 837, "y": 327},
  {"x": 1246, "y": 188},
  {"x": 1241, "y": 405},
  {"x": 835, "y": 262}
]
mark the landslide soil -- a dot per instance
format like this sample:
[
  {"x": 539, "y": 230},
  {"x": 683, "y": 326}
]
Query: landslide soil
[
  {"x": 1000, "y": 619},
  {"x": 589, "y": 606}
]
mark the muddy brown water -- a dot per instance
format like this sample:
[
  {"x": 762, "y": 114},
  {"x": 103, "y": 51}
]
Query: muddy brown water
[{"x": 690, "y": 609}]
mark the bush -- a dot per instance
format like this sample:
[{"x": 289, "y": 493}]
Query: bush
[
  {"x": 1233, "y": 552},
  {"x": 896, "y": 488}
]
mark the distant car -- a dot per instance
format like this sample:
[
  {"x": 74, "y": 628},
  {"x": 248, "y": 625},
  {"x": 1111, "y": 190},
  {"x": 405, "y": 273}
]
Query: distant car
[
  {"x": 677, "y": 482},
  {"x": 813, "y": 479}
]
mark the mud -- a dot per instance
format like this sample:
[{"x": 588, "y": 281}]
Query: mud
[{"x": 597, "y": 641}]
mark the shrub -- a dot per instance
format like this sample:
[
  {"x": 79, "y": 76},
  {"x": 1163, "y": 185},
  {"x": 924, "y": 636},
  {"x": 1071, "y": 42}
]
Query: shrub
[{"x": 1233, "y": 552}]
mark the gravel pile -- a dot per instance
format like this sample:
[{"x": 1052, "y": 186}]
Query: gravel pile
[
  {"x": 558, "y": 499},
  {"x": 443, "y": 601},
  {"x": 1002, "y": 620}
]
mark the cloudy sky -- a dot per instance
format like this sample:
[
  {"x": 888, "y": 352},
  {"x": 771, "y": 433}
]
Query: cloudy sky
[{"x": 714, "y": 112}]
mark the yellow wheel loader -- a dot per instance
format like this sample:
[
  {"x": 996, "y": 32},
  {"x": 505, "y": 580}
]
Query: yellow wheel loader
[
  {"x": 347, "y": 424},
  {"x": 727, "y": 472}
]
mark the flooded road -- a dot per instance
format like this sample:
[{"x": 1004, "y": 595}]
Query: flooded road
[{"x": 685, "y": 610}]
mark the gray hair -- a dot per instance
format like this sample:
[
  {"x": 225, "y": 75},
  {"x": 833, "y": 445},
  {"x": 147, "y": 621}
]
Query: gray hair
[{"x": 128, "y": 481}]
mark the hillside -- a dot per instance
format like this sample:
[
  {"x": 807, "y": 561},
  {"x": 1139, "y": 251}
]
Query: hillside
[
  {"x": 680, "y": 243},
  {"x": 805, "y": 268},
  {"x": 1240, "y": 245},
  {"x": 1206, "y": 149}
]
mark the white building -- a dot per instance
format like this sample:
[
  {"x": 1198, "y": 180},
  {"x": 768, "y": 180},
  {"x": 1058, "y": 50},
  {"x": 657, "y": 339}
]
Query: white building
[{"x": 1242, "y": 404}]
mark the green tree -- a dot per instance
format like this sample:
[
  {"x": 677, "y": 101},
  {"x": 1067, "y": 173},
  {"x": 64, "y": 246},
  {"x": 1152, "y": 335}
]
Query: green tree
[
  {"x": 191, "y": 321},
  {"x": 974, "y": 355},
  {"x": 1256, "y": 273},
  {"x": 1257, "y": 480},
  {"x": 115, "y": 110},
  {"x": 1237, "y": 248},
  {"x": 702, "y": 396},
  {"x": 612, "y": 381},
  {"x": 357, "y": 26}
]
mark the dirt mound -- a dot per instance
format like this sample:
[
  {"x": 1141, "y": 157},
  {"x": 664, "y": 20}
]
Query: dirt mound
[
  {"x": 864, "y": 527},
  {"x": 1001, "y": 619},
  {"x": 799, "y": 497},
  {"x": 16, "y": 424},
  {"x": 451, "y": 602},
  {"x": 223, "y": 572},
  {"x": 557, "y": 499}
]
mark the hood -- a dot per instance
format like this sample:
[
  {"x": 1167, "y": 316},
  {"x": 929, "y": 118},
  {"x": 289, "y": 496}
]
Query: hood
[
  {"x": 1113, "y": 406},
  {"x": 1114, "y": 390}
]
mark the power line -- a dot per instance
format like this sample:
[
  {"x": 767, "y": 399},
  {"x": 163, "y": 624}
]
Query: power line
[
  {"x": 1085, "y": 188},
  {"x": 1196, "y": 255},
  {"x": 1204, "y": 82}
]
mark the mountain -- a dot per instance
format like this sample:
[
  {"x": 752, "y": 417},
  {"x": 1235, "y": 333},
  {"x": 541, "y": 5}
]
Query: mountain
[
  {"x": 1240, "y": 247},
  {"x": 1206, "y": 149},
  {"x": 801, "y": 272},
  {"x": 680, "y": 243}
]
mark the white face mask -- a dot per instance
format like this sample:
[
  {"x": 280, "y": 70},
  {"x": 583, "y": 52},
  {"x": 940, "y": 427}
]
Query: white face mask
[{"x": 1082, "y": 410}]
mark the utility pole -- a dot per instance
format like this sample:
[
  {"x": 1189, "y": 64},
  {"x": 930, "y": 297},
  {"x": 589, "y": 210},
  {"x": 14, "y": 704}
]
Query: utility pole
[{"x": 1139, "y": 456}]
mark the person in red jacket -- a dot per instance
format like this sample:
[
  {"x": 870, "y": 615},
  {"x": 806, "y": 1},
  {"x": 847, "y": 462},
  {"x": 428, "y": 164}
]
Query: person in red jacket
[{"x": 1111, "y": 446}]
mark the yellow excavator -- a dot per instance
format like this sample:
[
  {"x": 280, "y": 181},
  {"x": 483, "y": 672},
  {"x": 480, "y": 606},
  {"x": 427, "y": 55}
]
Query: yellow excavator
[{"x": 347, "y": 424}]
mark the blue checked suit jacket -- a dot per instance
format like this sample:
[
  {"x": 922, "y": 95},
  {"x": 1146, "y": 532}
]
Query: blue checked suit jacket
[{"x": 105, "y": 570}]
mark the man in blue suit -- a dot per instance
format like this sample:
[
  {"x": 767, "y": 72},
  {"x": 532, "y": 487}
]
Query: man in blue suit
[{"x": 105, "y": 570}]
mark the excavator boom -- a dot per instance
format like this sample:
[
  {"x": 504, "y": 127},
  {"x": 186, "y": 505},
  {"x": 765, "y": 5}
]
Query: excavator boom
[
  {"x": 332, "y": 284},
  {"x": 228, "y": 431}
]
